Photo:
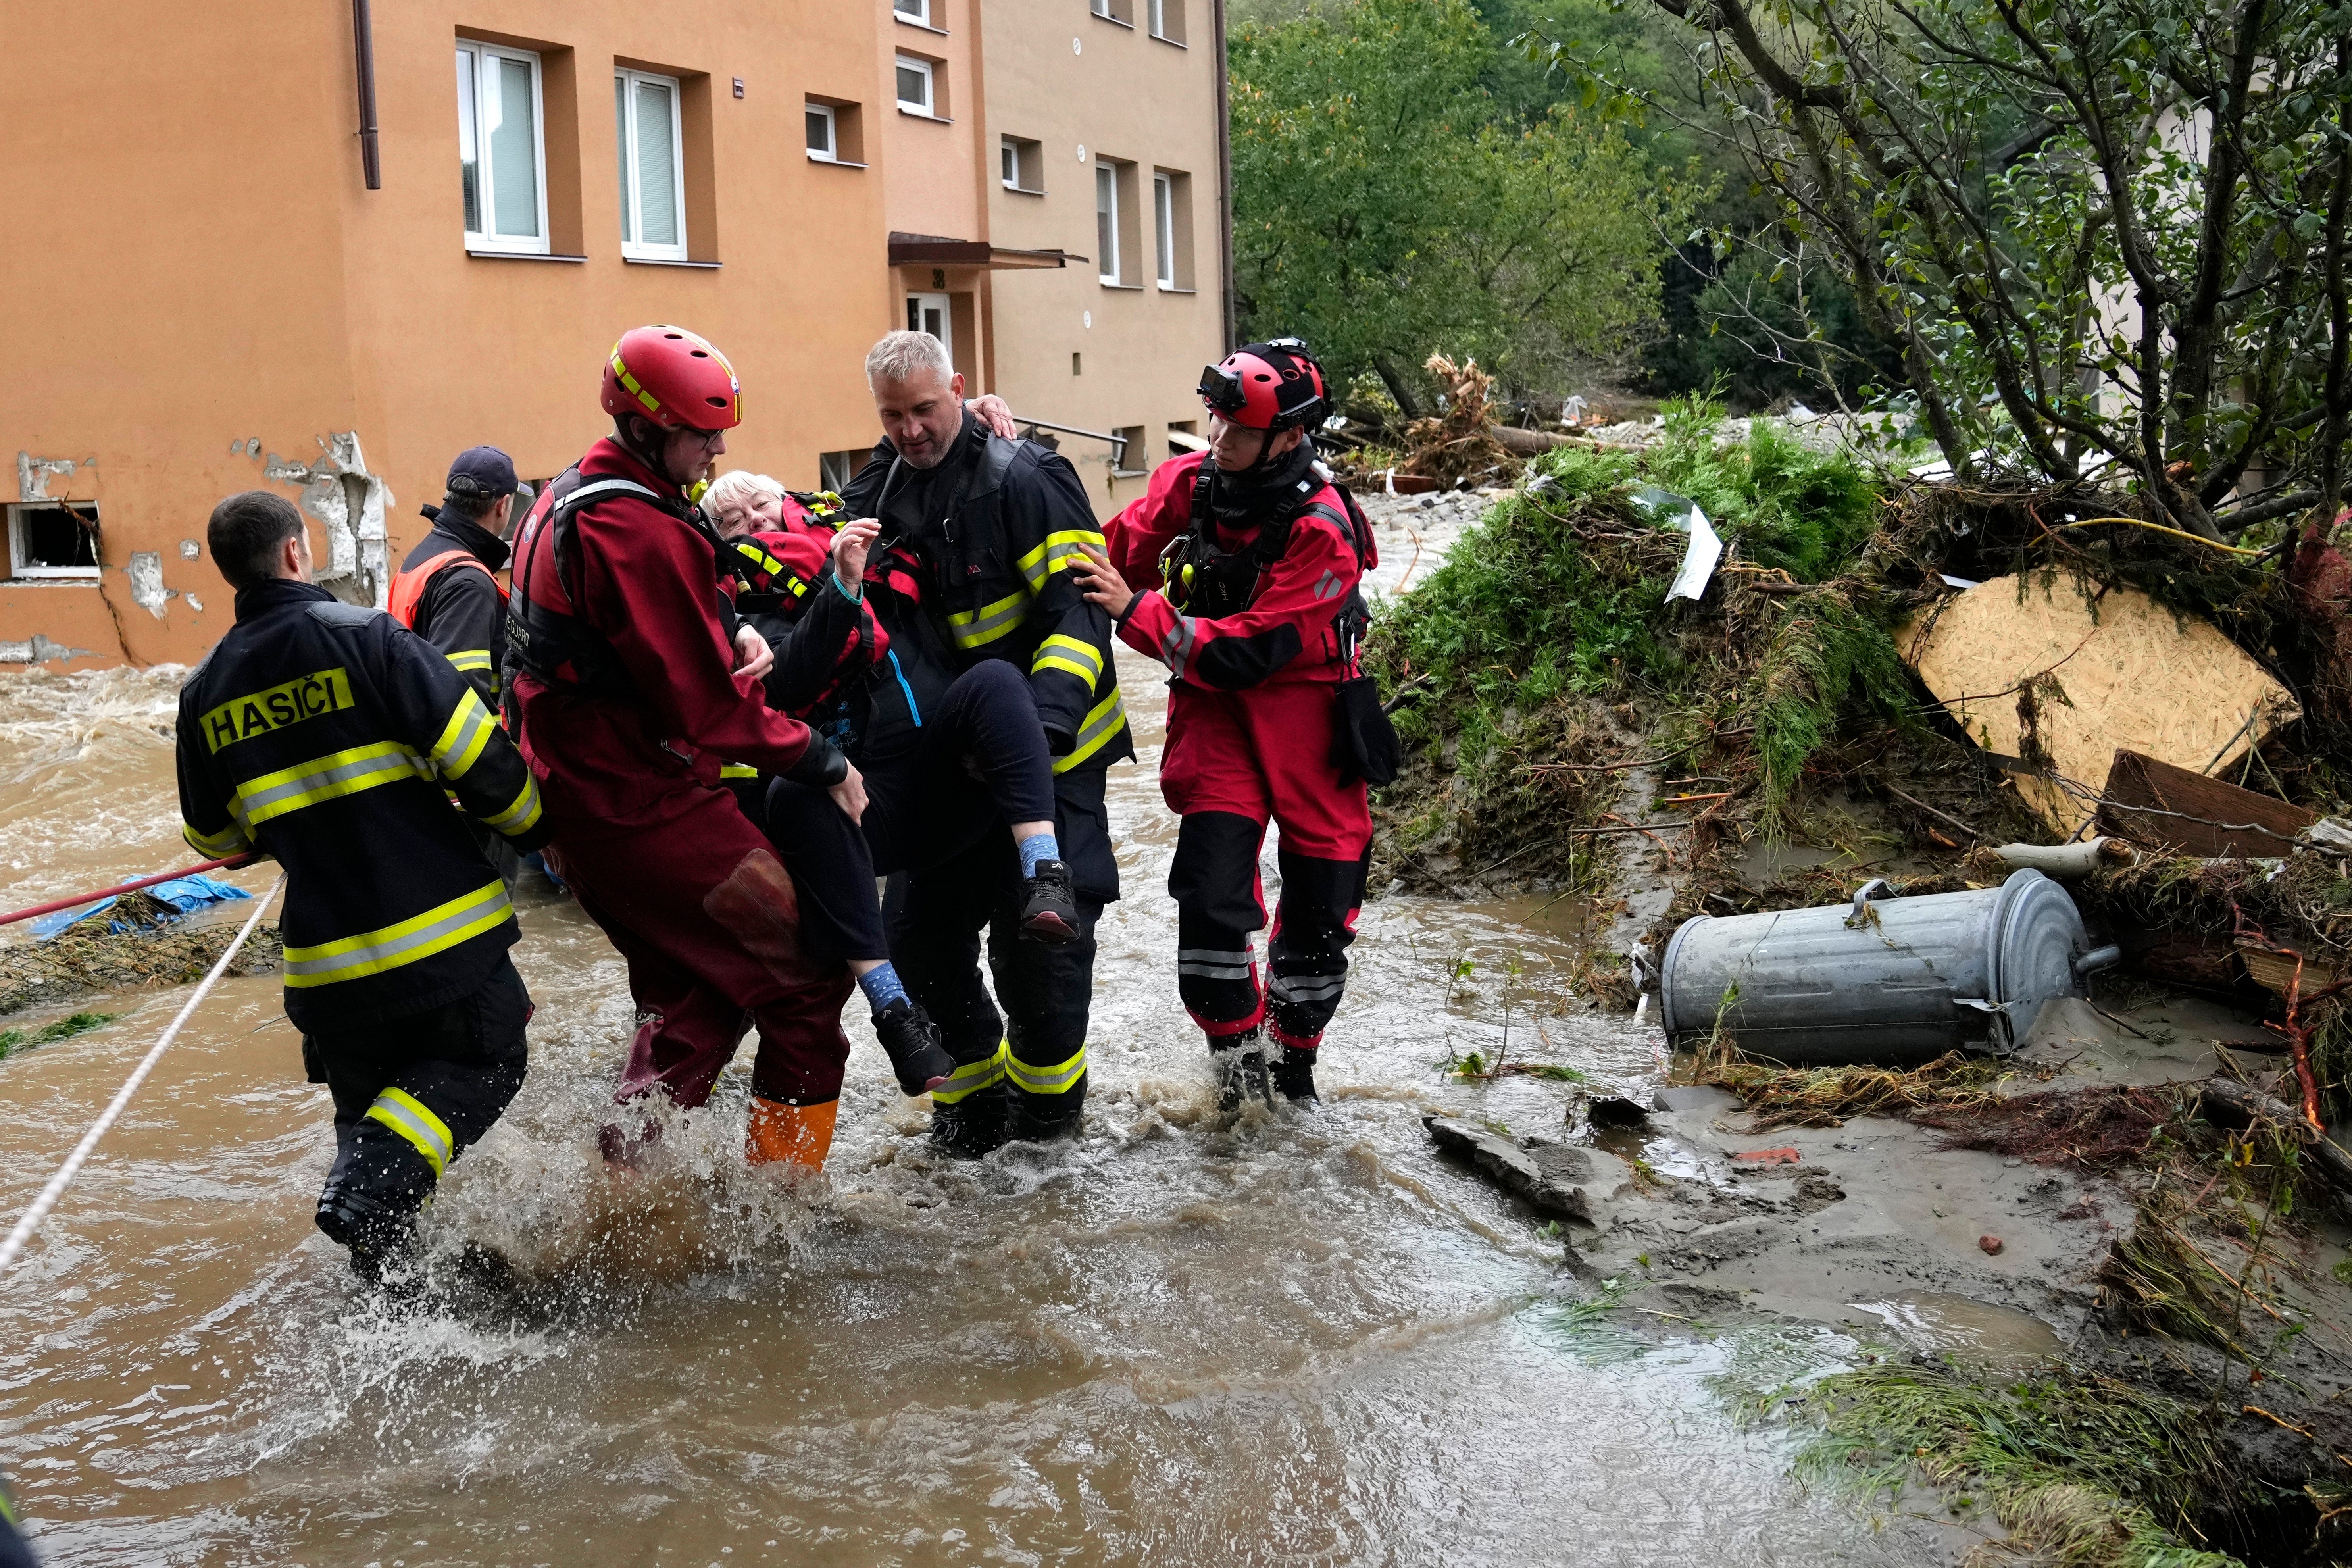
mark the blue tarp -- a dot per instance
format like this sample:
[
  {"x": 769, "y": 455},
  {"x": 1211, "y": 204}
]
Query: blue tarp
[{"x": 184, "y": 894}]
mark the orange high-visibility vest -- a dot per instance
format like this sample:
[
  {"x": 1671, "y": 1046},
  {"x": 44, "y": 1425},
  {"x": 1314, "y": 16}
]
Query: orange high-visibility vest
[{"x": 408, "y": 587}]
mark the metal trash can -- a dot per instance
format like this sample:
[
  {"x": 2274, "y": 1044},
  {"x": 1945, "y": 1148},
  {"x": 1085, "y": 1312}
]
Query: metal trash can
[{"x": 1885, "y": 979}]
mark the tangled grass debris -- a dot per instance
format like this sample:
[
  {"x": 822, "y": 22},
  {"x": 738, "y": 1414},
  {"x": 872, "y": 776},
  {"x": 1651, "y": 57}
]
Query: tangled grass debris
[{"x": 50, "y": 1034}]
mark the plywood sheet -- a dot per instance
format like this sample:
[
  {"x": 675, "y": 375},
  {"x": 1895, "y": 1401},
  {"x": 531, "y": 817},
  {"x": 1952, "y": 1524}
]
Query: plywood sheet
[{"x": 2123, "y": 674}]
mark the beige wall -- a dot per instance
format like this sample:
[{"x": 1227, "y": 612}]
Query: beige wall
[
  {"x": 215, "y": 301},
  {"x": 1121, "y": 94},
  {"x": 238, "y": 283}
]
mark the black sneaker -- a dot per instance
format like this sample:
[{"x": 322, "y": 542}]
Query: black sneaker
[
  {"x": 1049, "y": 913},
  {"x": 1241, "y": 1073},
  {"x": 915, "y": 1049},
  {"x": 1294, "y": 1076}
]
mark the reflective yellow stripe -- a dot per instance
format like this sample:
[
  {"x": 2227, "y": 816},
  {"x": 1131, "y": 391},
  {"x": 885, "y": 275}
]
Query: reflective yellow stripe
[
  {"x": 1059, "y": 1078},
  {"x": 438, "y": 929},
  {"x": 230, "y": 840},
  {"x": 974, "y": 1077},
  {"x": 1054, "y": 554},
  {"x": 737, "y": 771},
  {"x": 408, "y": 1116},
  {"x": 463, "y": 738},
  {"x": 523, "y": 815},
  {"x": 1071, "y": 654},
  {"x": 971, "y": 628},
  {"x": 327, "y": 778},
  {"x": 1104, "y": 721},
  {"x": 470, "y": 658}
]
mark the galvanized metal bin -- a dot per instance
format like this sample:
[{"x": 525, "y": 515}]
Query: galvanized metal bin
[{"x": 1883, "y": 979}]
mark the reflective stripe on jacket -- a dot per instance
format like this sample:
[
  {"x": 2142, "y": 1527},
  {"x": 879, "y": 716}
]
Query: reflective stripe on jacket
[{"x": 326, "y": 735}]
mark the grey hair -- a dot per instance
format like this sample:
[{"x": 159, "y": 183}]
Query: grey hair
[
  {"x": 738, "y": 485},
  {"x": 901, "y": 356}
]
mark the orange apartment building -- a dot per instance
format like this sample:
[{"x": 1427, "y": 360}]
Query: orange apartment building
[{"x": 324, "y": 250}]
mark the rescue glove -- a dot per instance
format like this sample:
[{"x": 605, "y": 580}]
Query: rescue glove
[
  {"x": 1049, "y": 910},
  {"x": 913, "y": 1043}
]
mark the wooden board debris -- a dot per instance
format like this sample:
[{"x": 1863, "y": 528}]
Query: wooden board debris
[
  {"x": 2056, "y": 681},
  {"x": 2195, "y": 814}
]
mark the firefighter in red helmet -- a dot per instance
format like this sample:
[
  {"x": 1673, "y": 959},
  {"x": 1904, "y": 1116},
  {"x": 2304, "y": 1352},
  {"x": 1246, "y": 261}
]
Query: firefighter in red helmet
[
  {"x": 1254, "y": 559},
  {"x": 630, "y": 681}
]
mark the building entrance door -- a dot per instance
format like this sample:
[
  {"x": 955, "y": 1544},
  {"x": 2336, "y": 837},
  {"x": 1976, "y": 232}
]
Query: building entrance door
[{"x": 929, "y": 313}]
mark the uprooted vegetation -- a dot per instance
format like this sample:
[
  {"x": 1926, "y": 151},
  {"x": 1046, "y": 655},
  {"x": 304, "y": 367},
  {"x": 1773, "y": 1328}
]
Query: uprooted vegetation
[{"x": 1543, "y": 662}]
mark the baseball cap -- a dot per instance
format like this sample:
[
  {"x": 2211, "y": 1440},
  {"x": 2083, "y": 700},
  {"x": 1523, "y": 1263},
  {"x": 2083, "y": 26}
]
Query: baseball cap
[{"x": 483, "y": 471}]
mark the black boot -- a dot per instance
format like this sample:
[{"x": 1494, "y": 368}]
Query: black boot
[
  {"x": 1049, "y": 910},
  {"x": 1294, "y": 1076},
  {"x": 1241, "y": 1072},
  {"x": 379, "y": 1236},
  {"x": 972, "y": 1126},
  {"x": 914, "y": 1045}
]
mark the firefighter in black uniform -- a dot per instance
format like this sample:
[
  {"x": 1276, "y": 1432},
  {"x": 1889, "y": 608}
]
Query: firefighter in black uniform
[
  {"x": 325, "y": 735},
  {"x": 448, "y": 590},
  {"x": 972, "y": 565}
]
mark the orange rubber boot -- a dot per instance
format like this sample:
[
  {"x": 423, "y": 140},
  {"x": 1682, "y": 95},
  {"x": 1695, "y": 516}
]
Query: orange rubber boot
[{"x": 797, "y": 1134}]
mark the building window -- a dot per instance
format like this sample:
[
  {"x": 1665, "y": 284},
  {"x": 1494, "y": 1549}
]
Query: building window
[
  {"x": 915, "y": 86},
  {"x": 916, "y": 11},
  {"x": 1023, "y": 165},
  {"x": 1163, "y": 224},
  {"x": 652, "y": 166},
  {"x": 1120, "y": 11},
  {"x": 1126, "y": 457},
  {"x": 1171, "y": 222},
  {"x": 54, "y": 541},
  {"x": 1107, "y": 221},
  {"x": 824, "y": 143},
  {"x": 835, "y": 470},
  {"x": 1166, "y": 18},
  {"x": 1185, "y": 435},
  {"x": 500, "y": 156}
]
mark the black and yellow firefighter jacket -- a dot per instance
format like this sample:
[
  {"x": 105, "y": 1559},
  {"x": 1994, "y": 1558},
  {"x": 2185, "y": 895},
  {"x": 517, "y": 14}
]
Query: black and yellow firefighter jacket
[
  {"x": 326, "y": 736},
  {"x": 976, "y": 553}
]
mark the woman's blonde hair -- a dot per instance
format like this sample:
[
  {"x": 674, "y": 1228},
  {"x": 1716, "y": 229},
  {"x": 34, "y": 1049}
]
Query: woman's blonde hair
[{"x": 736, "y": 485}]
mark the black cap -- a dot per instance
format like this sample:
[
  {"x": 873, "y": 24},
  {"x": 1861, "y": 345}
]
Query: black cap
[{"x": 483, "y": 472}]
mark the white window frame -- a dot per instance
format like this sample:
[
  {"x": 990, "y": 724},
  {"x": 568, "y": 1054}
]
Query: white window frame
[
  {"x": 928, "y": 107},
  {"x": 1008, "y": 162},
  {"x": 1107, "y": 233},
  {"x": 17, "y": 566},
  {"x": 487, "y": 193},
  {"x": 918, "y": 12},
  {"x": 1163, "y": 222},
  {"x": 1158, "y": 16},
  {"x": 831, "y": 152},
  {"x": 633, "y": 222}
]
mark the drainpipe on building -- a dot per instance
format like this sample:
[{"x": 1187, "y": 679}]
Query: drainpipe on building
[
  {"x": 364, "y": 56},
  {"x": 1224, "y": 173}
]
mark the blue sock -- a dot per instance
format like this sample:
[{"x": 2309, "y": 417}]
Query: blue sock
[
  {"x": 1036, "y": 848},
  {"x": 882, "y": 986}
]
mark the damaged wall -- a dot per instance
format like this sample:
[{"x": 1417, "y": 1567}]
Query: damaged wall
[{"x": 350, "y": 505}]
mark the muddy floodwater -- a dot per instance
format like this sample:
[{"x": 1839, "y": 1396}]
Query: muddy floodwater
[{"x": 1296, "y": 1339}]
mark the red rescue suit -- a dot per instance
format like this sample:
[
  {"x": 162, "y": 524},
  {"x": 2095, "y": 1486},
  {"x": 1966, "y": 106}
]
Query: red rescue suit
[
  {"x": 1252, "y": 735},
  {"x": 626, "y": 746}
]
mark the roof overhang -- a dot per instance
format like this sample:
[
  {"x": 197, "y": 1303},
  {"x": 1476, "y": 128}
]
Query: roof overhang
[{"x": 939, "y": 250}]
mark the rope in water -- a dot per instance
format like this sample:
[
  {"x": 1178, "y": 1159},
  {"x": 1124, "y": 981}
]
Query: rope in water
[
  {"x": 17, "y": 1238},
  {"x": 54, "y": 905}
]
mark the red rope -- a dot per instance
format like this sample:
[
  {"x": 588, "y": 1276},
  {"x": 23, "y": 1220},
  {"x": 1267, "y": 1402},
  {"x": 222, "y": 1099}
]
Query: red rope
[{"x": 78, "y": 898}]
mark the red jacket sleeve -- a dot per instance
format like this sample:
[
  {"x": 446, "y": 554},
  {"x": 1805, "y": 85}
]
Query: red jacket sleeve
[
  {"x": 650, "y": 578},
  {"x": 1286, "y": 628}
]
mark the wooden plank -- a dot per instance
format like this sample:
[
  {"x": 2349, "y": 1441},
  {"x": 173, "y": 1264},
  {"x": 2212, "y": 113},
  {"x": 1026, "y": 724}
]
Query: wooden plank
[{"x": 2208, "y": 817}]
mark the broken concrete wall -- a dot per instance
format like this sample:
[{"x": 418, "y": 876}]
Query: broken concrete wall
[{"x": 350, "y": 504}]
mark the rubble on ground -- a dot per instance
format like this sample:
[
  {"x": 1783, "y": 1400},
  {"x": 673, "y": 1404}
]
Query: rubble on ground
[{"x": 1889, "y": 677}]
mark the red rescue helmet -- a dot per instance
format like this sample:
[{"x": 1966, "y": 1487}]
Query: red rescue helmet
[
  {"x": 1273, "y": 386},
  {"x": 674, "y": 378}
]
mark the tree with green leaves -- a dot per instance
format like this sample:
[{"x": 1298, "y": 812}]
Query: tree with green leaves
[
  {"x": 2106, "y": 237},
  {"x": 1387, "y": 206}
]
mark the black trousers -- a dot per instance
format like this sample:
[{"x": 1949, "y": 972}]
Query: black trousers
[
  {"x": 977, "y": 763},
  {"x": 1021, "y": 1073},
  {"x": 411, "y": 1094}
]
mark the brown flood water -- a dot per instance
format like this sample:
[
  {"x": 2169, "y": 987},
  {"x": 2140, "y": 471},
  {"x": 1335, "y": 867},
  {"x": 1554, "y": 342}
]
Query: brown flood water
[{"x": 1296, "y": 1339}]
